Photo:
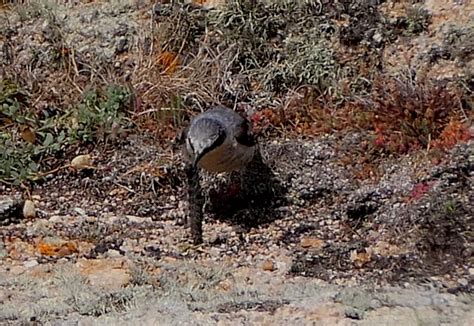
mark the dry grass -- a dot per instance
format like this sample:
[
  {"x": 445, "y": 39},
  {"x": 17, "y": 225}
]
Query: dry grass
[{"x": 244, "y": 55}]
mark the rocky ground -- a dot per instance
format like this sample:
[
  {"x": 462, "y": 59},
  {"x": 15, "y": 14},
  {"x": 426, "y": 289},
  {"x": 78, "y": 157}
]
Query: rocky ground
[
  {"x": 313, "y": 235},
  {"x": 105, "y": 245}
]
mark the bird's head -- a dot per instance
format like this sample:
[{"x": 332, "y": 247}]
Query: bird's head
[{"x": 204, "y": 135}]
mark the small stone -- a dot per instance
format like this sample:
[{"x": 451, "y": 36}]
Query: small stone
[
  {"x": 90, "y": 219},
  {"x": 122, "y": 45},
  {"x": 112, "y": 253},
  {"x": 471, "y": 271},
  {"x": 30, "y": 263},
  {"x": 81, "y": 162},
  {"x": 354, "y": 313},
  {"x": 268, "y": 266},
  {"x": 215, "y": 238},
  {"x": 463, "y": 282},
  {"x": 56, "y": 219},
  {"x": 378, "y": 37},
  {"x": 17, "y": 270},
  {"x": 79, "y": 211},
  {"x": 137, "y": 219},
  {"x": 29, "y": 210},
  {"x": 310, "y": 242}
]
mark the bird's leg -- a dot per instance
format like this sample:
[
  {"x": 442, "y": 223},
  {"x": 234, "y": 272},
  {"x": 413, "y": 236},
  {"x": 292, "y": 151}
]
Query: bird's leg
[{"x": 196, "y": 202}]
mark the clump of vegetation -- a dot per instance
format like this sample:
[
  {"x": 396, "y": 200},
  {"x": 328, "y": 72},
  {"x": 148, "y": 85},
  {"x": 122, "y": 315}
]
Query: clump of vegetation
[
  {"x": 99, "y": 114},
  {"x": 180, "y": 29},
  {"x": 409, "y": 113},
  {"x": 323, "y": 54},
  {"x": 417, "y": 21},
  {"x": 279, "y": 51},
  {"x": 28, "y": 135},
  {"x": 458, "y": 44},
  {"x": 402, "y": 113},
  {"x": 307, "y": 63}
]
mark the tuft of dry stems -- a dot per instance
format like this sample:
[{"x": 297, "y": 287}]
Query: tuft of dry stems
[
  {"x": 174, "y": 84},
  {"x": 191, "y": 58}
]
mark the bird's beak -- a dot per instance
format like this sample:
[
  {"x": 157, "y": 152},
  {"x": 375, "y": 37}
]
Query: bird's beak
[{"x": 197, "y": 159}]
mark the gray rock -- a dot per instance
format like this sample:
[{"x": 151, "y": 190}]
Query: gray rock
[{"x": 11, "y": 209}]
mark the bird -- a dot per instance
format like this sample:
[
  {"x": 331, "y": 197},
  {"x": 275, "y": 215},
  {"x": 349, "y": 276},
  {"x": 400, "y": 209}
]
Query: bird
[{"x": 218, "y": 140}]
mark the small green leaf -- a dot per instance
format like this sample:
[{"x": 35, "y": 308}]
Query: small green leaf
[
  {"x": 33, "y": 166},
  {"x": 48, "y": 140}
]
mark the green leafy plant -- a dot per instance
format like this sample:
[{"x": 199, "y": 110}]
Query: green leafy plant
[
  {"x": 417, "y": 21},
  {"x": 28, "y": 137},
  {"x": 97, "y": 114}
]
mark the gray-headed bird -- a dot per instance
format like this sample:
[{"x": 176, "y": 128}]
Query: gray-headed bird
[{"x": 218, "y": 140}]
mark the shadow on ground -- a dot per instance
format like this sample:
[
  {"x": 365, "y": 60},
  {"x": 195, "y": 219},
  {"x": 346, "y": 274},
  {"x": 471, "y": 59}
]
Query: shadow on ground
[{"x": 248, "y": 198}]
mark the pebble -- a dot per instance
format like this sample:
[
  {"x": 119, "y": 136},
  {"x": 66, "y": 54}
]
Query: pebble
[
  {"x": 309, "y": 242},
  {"x": 112, "y": 253},
  {"x": 378, "y": 37},
  {"x": 29, "y": 210},
  {"x": 138, "y": 219},
  {"x": 90, "y": 219},
  {"x": 268, "y": 266},
  {"x": 79, "y": 211},
  {"x": 17, "y": 270},
  {"x": 214, "y": 238},
  {"x": 30, "y": 263},
  {"x": 56, "y": 219},
  {"x": 463, "y": 282}
]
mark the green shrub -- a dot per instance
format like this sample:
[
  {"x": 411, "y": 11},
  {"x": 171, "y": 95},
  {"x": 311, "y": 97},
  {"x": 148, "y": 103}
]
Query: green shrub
[{"x": 29, "y": 136}]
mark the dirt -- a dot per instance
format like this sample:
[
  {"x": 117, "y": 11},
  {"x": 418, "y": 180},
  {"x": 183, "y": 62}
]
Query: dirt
[
  {"x": 304, "y": 239},
  {"x": 113, "y": 234}
]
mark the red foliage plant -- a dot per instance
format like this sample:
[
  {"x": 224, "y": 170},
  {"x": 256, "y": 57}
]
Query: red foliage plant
[{"x": 412, "y": 114}]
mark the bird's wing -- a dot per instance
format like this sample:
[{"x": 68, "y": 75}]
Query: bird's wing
[{"x": 243, "y": 134}]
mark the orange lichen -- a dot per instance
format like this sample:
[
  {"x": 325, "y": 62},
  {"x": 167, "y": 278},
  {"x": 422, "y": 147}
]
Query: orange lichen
[
  {"x": 57, "y": 249},
  {"x": 169, "y": 61}
]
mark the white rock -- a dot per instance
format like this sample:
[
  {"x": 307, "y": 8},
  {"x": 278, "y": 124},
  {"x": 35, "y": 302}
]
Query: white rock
[
  {"x": 463, "y": 282},
  {"x": 81, "y": 162},
  {"x": 112, "y": 253},
  {"x": 30, "y": 263},
  {"x": 29, "y": 210},
  {"x": 56, "y": 219}
]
